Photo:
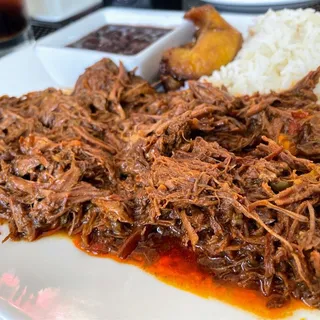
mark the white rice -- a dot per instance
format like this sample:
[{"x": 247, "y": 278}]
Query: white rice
[{"x": 280, "y": 49}]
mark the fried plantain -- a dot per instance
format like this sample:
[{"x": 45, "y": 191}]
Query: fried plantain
[{"x": 216, "y": 44}]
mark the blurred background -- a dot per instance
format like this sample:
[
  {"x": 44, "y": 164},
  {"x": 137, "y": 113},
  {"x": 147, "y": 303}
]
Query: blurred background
[
  {"x": 48, "y": 15},
  {"x": 24, "y": 21}
]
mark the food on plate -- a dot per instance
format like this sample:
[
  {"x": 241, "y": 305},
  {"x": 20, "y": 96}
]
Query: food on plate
[
  {"x": 216, "y": 44},
  {"x": 280, "y": 49},
  {"x": 291, "y": 118},
  {"x": 120, "y": 39},
  {"x": 125, "y": 167}
]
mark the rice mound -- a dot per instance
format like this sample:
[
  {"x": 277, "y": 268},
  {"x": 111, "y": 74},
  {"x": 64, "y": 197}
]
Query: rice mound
[{"x": 281, "y": 48}]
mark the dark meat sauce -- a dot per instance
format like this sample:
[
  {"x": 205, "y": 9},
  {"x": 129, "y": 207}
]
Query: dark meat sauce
[
  {"x": 118, "y": 165},
  {"x": 120, "y": 39}
]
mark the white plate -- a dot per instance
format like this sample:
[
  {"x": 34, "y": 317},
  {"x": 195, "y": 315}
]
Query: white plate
[
  {"x": 50, "y": 279},
  {"x": 259, "y": 5},
  {"x": 261, "y": 2}
]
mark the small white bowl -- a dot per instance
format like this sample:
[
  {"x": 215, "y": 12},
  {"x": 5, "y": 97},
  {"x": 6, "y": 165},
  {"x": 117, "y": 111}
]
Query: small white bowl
[{"x": 57, "y": 58}]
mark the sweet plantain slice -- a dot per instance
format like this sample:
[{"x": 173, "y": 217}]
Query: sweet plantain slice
[{"x": 216, "y": 44}]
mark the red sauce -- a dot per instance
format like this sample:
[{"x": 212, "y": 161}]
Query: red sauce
[
  {"x": 121, "y": 39},
  {"x": 178, "y": 267}
]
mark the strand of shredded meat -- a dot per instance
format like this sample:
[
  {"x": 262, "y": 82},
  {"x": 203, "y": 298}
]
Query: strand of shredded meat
[{"x": 235, "y": 179}]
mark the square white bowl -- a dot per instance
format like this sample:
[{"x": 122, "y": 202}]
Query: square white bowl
[{"x": 56, "y": 57}]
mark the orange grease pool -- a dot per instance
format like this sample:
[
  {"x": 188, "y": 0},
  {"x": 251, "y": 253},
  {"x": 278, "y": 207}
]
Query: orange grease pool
[{"x": 178, "y": 268}]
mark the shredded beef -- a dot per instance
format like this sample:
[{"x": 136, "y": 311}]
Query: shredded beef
[{"x": 235, "y": 179}]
